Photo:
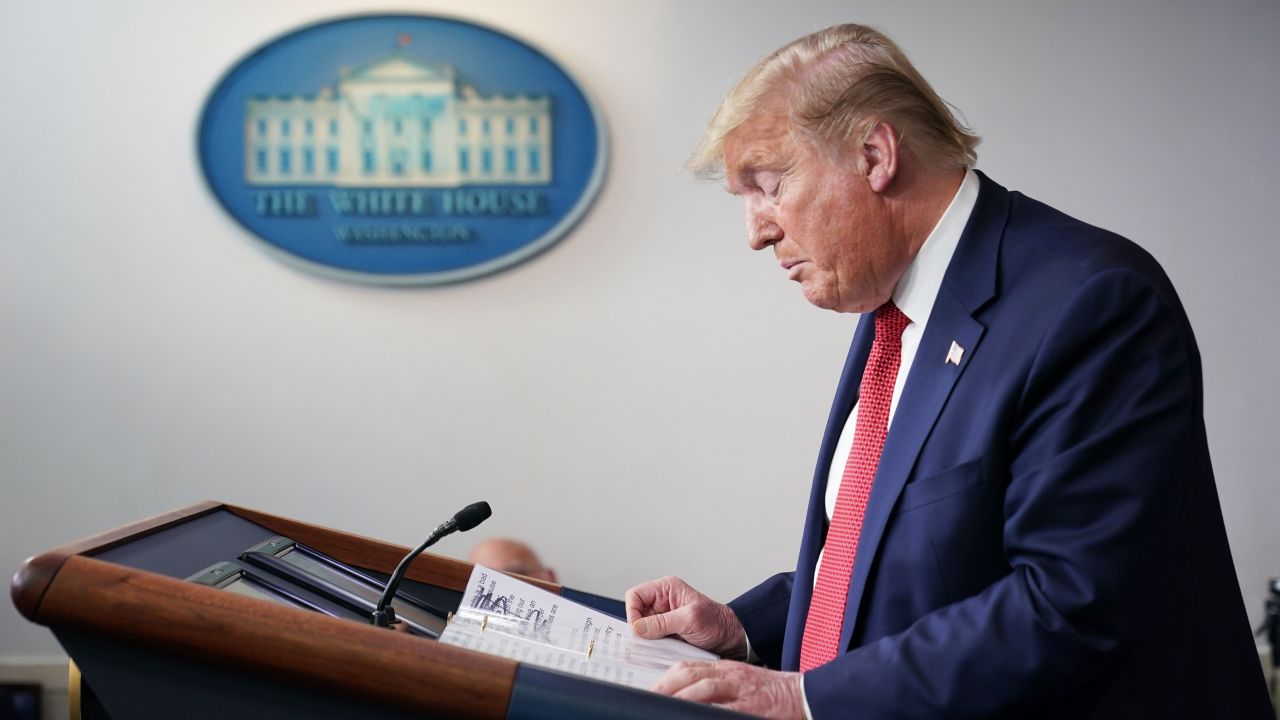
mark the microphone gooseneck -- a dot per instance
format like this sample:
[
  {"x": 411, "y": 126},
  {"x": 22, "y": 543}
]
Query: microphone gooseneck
[{"x": 465, "y": 519}]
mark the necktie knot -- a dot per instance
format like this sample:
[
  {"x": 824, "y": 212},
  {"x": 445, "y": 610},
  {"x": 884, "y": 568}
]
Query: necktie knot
[{"x": 890, "y": 322}]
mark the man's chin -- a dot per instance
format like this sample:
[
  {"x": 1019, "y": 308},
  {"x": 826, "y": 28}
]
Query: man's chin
[
  {"x": 818, "y": 299},
  {"x": 824, "y": 301}
]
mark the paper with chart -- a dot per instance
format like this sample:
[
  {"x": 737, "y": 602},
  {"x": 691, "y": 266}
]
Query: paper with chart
[{"x": 501, "y": 615}]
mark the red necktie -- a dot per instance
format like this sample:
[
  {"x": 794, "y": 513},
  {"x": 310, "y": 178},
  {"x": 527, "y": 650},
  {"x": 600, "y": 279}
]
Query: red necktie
[{"x": 826, "y": 609}]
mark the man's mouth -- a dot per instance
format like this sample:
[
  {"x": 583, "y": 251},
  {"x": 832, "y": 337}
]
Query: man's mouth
[{"x": 792, "y": 267}]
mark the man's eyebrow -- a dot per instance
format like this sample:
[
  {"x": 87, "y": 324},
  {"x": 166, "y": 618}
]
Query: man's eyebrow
[
  {"x": 752, "y": 161},
  {"x": 736, "y": 177}
]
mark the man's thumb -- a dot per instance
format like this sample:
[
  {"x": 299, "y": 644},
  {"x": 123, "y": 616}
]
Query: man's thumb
[{"x": 652, "y": 627}]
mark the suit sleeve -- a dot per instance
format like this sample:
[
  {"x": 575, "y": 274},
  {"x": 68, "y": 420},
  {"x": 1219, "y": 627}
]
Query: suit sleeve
[
  {"x": 1100, "y": 465},
  {"x": 762, "y": 611}
]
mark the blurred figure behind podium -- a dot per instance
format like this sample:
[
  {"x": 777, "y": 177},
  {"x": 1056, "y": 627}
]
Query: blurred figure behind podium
[{"x": 510, "y": 556}]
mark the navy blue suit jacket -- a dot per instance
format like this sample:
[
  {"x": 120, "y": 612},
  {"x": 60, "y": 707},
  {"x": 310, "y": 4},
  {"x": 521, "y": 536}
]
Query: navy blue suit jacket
[{"x": 1043, "y": 538}]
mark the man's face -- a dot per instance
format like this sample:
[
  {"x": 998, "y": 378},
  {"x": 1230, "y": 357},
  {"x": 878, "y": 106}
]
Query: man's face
[{"x": 828, "y": 229}]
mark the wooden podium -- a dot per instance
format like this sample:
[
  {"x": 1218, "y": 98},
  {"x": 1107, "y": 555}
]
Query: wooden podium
[{"x": 150, "y": 644}]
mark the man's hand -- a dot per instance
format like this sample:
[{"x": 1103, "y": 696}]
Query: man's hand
[
  {"x": 736, "y": 686},
  {"x": 668, "y": 606}
]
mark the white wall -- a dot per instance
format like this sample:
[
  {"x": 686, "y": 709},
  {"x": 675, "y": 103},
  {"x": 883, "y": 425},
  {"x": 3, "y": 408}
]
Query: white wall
[{"x": 647, "y": 397}]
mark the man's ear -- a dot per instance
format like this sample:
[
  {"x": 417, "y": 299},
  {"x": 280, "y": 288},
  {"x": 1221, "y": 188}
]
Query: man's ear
[{"x": 878, "y": 157}]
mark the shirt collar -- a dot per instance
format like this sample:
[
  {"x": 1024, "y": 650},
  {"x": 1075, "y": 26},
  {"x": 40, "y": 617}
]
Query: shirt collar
[{"x": 920, "y": 284}]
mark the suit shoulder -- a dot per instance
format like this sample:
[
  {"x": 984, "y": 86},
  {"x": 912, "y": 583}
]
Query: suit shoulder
[
  {"x": 1048, "y": 257},
  {"x": 1041, "y": 239}
]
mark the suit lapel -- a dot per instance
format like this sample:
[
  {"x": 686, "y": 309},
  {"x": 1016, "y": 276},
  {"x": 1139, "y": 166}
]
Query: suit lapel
[{"x": 969, "y": 283}]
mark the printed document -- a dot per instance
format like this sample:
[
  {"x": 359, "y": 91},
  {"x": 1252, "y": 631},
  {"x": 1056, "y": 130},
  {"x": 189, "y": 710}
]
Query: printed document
[{"x": 501, "y": 615}]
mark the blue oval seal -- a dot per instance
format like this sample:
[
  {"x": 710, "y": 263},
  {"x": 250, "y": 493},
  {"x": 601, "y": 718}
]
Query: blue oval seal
[{"x": 402, "y": 149}]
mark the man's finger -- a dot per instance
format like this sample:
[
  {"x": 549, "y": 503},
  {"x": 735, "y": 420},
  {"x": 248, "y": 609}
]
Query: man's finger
[
  {"x": 675, "y": 622},
  {"x": 646, "y": 599},
  {"x": 635, "y": 603},
  {"x": 681, "y": 675},
  {"x": 643, "y": 600},
  {"x": 708, "y": 690}
]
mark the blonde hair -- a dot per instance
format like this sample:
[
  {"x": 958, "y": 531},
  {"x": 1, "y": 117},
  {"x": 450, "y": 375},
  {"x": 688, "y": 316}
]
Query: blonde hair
[{"x": 836, "y": 84}]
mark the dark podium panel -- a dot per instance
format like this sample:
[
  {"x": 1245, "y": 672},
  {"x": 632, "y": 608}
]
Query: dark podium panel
[{"x": 151, "y": 645}]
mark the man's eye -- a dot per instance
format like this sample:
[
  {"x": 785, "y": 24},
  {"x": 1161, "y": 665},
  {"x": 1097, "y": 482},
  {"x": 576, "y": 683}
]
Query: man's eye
[{"x": 770, "y": 185}]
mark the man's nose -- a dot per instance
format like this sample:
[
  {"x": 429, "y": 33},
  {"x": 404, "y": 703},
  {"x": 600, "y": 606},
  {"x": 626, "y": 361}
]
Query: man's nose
[{"x": 762, "y": 231}]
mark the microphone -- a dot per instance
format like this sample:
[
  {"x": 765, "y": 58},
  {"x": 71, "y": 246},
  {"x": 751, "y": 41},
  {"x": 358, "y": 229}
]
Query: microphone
[{"x": 465, "y": 519}]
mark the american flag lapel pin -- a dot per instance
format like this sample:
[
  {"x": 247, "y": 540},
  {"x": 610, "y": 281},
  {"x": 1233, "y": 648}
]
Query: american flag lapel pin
[{"x": 955, "y": 353}]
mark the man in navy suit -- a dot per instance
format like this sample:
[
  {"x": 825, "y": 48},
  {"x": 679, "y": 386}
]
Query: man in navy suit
[{"x": 1013, "y": 512}]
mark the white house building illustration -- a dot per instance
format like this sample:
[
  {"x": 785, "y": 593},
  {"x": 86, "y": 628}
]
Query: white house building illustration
[{"x": 398, "y": 122}]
